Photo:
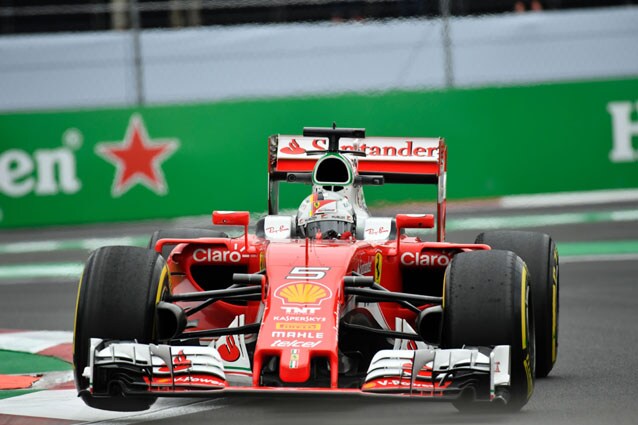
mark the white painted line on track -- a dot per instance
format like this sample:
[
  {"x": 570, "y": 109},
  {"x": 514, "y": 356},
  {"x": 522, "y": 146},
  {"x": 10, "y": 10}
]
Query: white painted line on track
[
  {"x": 628, "y": 215},
  {"x": 56, "y": 404},
  {"x": 34, "y": 341},
  {"x": 88, "y": 244},
  {"x": 65, "y": 405},
  {"x": 53, "y": 379},
  {"x": 167, "y": 413},
  {"x": 562, "y": 199},
  {"x": 18, "y": 272},
  {"x": 598, "y": 258},
  {"x": 510, "y": 222},
  {"x": 26, "y": 247}
]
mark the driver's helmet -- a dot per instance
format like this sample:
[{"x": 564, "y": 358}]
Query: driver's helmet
[{"x": 326, "y": 215}]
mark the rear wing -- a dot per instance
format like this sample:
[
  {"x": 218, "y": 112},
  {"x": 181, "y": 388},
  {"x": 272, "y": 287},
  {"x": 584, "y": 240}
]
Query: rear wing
[{"x": 398, "y": 160}]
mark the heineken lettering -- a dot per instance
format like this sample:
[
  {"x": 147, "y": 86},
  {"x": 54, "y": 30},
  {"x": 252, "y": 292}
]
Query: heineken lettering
[
  {"x": 623, "y": 130},
  {"x": 22, "y": 174}
]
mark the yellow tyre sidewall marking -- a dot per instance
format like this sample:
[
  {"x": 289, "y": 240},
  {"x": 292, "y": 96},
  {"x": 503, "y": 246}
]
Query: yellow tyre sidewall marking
[
  {"x": 158, "y": 297},
  {"x": 75, "y": 316},
  {"x": 524, "y": 307},
  {"x": 160, "y": 287},
  {"x": 554, "y": 324},
  {"x": 555, "y": 306}
]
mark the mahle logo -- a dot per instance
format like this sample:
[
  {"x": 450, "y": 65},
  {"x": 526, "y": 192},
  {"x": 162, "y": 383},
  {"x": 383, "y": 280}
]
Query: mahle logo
[{"x": 46, "y": 172}]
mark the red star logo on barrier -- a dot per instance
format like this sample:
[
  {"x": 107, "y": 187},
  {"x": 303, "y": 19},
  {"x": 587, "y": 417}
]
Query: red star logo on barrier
[{"x": 137, "y": 159}]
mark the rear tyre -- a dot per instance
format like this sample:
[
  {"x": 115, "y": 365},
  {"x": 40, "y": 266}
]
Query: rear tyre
[
  {"x": 181, "y": 233},
  {"x": 485, "y": 303},
  {"x": 539, "y": 252},
  {"x": 117, "y": 298}
]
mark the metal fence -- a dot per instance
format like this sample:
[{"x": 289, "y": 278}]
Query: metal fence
[
  {"x": 126, "y": 14},
  {"x": 139, "y": 67},
  {"x": 36, "y": 16}
]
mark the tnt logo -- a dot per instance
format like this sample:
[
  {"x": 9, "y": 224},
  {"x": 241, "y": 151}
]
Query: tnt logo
[{"x": 623, "y": 130}]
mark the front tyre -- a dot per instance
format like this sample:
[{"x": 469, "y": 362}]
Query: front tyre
[
  {"x": 539, "y": 252},
  {"x": 486, "y": 302},
  {"x": 117, "y": 298}
]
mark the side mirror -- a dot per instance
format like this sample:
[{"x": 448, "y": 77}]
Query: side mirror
[
  {"x": 415, "y": 221},
  {"x": 233, "y": 218},
  {"x": 412, "y": 221}
]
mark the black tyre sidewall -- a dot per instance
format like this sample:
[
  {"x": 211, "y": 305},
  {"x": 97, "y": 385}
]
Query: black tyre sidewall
[
  {"x": 117, "y": 297},
  {"x": 539, "y": 252},
  {"x": 485, "y": 298}
]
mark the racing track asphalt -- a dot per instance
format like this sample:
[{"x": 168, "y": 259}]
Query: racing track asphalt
[{"x": 594, "y": 381}]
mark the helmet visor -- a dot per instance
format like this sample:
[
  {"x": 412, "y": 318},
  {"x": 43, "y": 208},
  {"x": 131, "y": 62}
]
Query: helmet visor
[{"x": 328, "y": 229}]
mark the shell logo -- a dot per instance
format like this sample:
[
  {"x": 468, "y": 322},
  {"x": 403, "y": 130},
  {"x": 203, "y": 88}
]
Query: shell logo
[{"x": 303, "y": 293}]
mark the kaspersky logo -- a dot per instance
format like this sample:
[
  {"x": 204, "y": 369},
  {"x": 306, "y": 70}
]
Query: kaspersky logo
[{"x": 137, "y": 159}]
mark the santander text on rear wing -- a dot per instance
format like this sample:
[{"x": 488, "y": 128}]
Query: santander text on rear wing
[{"x": 397, "y": 159}]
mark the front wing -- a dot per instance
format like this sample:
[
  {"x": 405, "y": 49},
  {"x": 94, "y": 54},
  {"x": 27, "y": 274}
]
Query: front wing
[{"x": 172, "y": 371}]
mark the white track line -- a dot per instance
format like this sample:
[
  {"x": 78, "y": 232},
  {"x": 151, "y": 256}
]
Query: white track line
[
  {"x": 53, "y": 379},
  {"x": 65, "y": 405},
  {"x": 34, "y": 341},
  {"x": 562, "y": 199},
  {"x": 598, "y": 258},
  {"x": 166, "y": 413}
]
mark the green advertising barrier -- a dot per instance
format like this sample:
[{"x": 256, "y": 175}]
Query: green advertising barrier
[{"x": 166, "y": 161}]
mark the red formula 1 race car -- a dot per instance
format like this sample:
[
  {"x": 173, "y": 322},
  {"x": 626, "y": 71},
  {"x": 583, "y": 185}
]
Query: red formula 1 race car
[{"x": 327, "y": 300}]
